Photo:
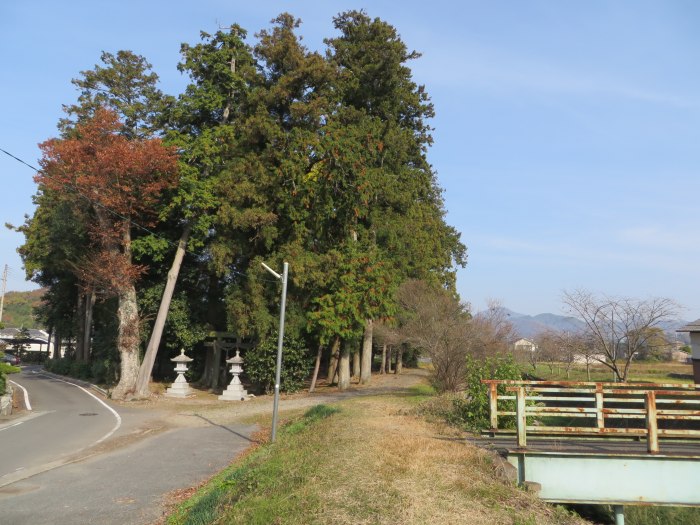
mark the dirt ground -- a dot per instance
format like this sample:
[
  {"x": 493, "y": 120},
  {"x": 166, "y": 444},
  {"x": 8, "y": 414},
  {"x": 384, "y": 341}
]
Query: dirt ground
[{"x": 159, "y": 412}]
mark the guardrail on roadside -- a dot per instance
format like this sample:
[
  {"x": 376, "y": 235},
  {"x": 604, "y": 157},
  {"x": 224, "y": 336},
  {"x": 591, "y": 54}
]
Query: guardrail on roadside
[{"x": 606, "y": 403}]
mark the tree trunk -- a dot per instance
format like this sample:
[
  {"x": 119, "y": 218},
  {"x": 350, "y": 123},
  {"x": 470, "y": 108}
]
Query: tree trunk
[
  {"x": 333, "y": 361},
  {"x": 205, "y": 380},
  {"x": 366, "y": 369},
  {"x": 128, "y": 338},
  {"x": 151, "y": 351},
  {"x": 399, "y": 360},
  {"x": 127, "y": 343},
  {"x": 87, "y": 329},
  {"x": 356, "y": 365},
  {"x": 382, "y": 366},
  {"x": 57, "y": 345},
  {"x": 80, "y": 336},
  {"x": 344, "y": 368},
  {"x": 317, "y": 365},
  {"x": 216, "y": 366}
]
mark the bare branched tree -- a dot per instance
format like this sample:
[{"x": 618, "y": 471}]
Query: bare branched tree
[
  {"x": 436, "y": 322},
  {"x": 549, "y": 348},
  {"x": 573, "y": 348},
  {"x": 618, "y": 328},
  {"x": 492, "y": 332}
]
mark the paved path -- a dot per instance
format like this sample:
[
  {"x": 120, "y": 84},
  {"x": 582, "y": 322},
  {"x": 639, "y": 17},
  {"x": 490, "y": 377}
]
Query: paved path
[
  {"x": 74, "y": 458},
  {"x": 126, "y": 486},
  {"x": 161, "y": 445},
  {"x": 64, "y": 420}
]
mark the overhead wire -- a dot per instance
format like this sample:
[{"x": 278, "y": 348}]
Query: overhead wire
[{"x": 111, "y": 211}]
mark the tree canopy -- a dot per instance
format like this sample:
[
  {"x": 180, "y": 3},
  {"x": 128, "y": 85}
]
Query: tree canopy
[{"x": 283, "y": 154}]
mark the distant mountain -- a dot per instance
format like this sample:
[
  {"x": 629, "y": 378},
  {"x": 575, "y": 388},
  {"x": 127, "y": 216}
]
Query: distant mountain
[
  {"x": 18, "y": 309},
  {"x": 529, "y": 326}
]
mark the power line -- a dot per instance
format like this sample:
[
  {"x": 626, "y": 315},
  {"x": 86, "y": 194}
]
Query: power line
[
  {"x": 91, "y": 201},
  {"x": 109, "y": 210}
]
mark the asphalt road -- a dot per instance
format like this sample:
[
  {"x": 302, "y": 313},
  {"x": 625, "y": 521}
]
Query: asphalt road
[
  {"x": 65, "y": 419},
  {"x": 64, "y": 479}
]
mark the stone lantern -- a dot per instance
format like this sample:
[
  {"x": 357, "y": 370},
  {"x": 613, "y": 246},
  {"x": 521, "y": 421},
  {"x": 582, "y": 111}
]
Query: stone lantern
[
  {"x": 235, "y": 390},
  {"x": 180, "y": 388}
]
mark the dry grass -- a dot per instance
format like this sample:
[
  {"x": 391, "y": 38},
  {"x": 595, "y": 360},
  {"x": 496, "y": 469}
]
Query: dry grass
[
  {"x": 373, "y": 463},
  {"x": 417, "y": 473}
]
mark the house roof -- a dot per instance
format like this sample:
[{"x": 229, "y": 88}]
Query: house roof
[
  {"x": 690, "y": 327},
  {"x": 10, "y": 335}
]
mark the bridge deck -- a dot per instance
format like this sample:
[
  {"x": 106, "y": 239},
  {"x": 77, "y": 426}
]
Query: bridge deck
[
  {"x": 570, "y": 470},
  {"x": 579, "y": 445}
]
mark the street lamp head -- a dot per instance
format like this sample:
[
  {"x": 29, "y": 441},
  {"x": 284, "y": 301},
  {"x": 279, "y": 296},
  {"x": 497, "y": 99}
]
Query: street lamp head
[{"x": 271, "y": 271}]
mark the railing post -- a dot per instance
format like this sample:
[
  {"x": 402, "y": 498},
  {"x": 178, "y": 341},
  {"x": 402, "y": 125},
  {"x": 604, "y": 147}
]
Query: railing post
[
  {"x": 652, "y": 423},
  {"x": 493, "y": 405},
  {"x": 521, "y": 417},
  {"x": 600, "y": 418}
]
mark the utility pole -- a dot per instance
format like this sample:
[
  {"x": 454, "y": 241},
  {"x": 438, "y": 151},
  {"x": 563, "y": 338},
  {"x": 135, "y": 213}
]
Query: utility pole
[{"x": 4, "y": 287}]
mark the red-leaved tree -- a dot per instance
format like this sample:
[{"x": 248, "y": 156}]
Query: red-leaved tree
[{"x": 122, "y": 180}]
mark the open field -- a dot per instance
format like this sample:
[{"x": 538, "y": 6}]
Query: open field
[{"x": 653, "y": 372}]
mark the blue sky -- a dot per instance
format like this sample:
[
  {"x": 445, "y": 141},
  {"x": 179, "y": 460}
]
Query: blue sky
[{"x": 566, "y": 135}]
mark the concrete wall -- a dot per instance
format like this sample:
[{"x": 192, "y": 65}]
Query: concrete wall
[{"x": 6, "y": 402}]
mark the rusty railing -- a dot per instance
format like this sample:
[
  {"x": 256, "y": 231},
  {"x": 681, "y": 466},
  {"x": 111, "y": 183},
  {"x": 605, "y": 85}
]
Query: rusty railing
[{"x": 613, "y": 406}]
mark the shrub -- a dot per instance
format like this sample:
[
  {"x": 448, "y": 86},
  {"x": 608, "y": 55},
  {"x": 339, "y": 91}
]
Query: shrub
[
  {"x": 58, "y": 366},
  {"x": 34, "y": 357},
  {"x": 5, "y": 369},
  {"x": 103, "y": 371},
  {"x": 260, "y": 363},
  {"x": 80, "y": 370},
  {"x": 472, "y": 410}
]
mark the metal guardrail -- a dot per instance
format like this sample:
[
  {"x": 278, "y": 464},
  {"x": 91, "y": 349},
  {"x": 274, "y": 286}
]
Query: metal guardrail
[{"x": 545, "y": 401}]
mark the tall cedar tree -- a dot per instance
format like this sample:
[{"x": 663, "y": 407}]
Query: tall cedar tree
[
  {"x": 199, "y": 127},
  {"x": 265, "y": 209},
  {"x": 381, "y": 185},
  {"x": 331, "y": 171},
  {"x": 122, "y": 180}
]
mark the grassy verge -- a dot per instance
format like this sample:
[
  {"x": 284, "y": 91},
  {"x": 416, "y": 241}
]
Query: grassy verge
[{"x": 365, "y": 460}]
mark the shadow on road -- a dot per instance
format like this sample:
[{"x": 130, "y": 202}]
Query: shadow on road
[{"x": 242, "y": 436}]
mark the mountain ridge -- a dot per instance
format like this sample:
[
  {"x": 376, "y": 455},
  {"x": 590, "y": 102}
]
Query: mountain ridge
[{"x": 530, "y": 326}]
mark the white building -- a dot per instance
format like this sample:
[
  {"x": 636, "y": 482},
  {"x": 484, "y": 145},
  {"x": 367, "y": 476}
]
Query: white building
[
  {"x": 524, "y": 345},
  {"x": 37, "y": 340}
]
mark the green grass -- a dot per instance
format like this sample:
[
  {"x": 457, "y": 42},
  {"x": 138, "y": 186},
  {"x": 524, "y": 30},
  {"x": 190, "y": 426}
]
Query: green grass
[
  {"x": 662, "y": 515},
  {"x": 651, "y": 372},
  {"x": 372, "y": 462},
  {"x": 642, "y": 515},
  {"x": 262, "y": 486}
]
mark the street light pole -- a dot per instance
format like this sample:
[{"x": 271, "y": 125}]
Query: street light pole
[{"x": 280, "y": 339}]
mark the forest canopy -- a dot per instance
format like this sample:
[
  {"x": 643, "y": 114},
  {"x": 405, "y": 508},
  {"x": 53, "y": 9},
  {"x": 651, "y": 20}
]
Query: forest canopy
[{"x": 154, "y": 211}]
